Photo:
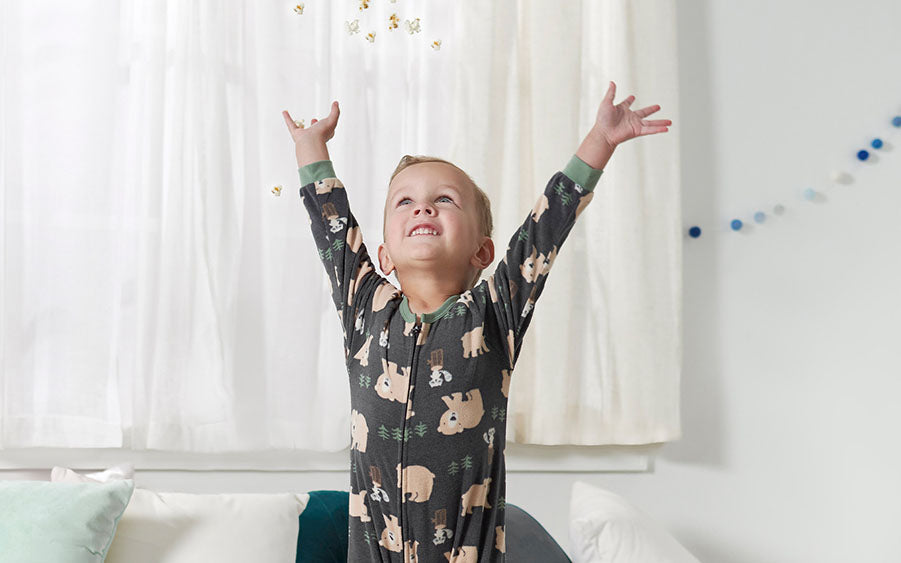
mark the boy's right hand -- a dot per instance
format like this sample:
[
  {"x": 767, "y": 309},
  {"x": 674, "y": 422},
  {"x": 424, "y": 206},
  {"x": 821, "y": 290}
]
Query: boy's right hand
[{"x": 310, "y": 141}]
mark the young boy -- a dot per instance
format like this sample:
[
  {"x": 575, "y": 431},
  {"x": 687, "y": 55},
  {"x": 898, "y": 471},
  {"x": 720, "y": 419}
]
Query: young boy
[{"x": 430, "y": 362}]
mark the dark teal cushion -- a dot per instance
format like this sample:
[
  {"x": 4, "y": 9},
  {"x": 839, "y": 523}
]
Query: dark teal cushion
[{"x": 323, "y": 528}]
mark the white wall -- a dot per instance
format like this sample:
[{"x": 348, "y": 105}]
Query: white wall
[{"x": 792, "y": 369}]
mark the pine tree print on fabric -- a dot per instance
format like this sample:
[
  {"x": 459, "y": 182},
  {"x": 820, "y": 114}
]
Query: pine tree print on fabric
[{"x": 564, "y": 197}]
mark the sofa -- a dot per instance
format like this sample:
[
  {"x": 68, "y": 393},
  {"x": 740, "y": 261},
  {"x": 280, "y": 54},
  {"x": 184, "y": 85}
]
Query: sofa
[{"x": 75, "y": 518}]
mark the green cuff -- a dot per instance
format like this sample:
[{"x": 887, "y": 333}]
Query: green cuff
[
  {"x": 315, "y": 171},
  {"x": 582, "y": 174}
]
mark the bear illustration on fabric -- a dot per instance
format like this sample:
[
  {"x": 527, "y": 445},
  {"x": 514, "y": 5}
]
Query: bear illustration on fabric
[
  {"x": 392, "y": 385},
  {"x": 411, "y": 551},
  {"x": 359, "y": 431},
  {"x": 391, "y": 534},
  {"x": 536, "y": 264},
  {"x": 357, "y": 507},
  {"x": 477, "y": 495},
  {"x": 383, "y": 294},
  {"x": 418, "y": 482},
  {"x": 363, "y": 354},
  {"x": 540, "y": 207},
  {"x": 423, "y": 331},
  {"x": 461, "y": 414},
  {"x": 474, "y": 342},
  {"x": 465, "y": 554},
  {"x": 327, "y": 185}
]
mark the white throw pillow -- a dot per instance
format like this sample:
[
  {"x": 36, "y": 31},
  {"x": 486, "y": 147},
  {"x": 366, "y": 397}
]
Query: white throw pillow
[
  {"x": 187, "y": 528},
  {"x": 115, "y": 473},
  {"x": 605, "y": 528}
]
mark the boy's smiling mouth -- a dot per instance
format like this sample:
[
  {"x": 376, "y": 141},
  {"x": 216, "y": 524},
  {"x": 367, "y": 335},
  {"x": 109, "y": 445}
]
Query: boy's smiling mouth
[{"x": 424, "y": 229}]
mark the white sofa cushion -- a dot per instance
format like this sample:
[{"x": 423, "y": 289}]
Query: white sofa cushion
[
  {"x": 605, "y": 528},
  {"x": 187, "y": 527}
]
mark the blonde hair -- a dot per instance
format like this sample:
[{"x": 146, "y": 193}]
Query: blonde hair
[{"x": 483, "y": 204}]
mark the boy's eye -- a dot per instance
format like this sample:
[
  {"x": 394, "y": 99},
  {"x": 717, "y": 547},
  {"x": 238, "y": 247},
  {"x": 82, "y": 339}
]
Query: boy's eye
[{"x": 445, "y": 197}]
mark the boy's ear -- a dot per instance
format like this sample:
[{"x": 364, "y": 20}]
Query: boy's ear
[
  {"x": 484, "y": 256},
  {"x": 385, "y": 262}
]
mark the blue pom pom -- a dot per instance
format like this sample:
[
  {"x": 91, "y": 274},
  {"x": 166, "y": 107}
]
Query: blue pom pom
[
  {"x": 876, "y": 144},
  {"x": 863, "y": 155},
  {"x": 760, "y": 216},
  {"x": 897, "y": 121},
  {"x": 736, "y": 224},
  {"x": 810, "y": 194},
  {"x": 694, "y": 232}
]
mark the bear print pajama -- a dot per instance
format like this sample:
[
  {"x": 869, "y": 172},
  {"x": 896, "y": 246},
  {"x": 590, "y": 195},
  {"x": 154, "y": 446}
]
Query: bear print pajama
[{"x": 429, "y": 392}]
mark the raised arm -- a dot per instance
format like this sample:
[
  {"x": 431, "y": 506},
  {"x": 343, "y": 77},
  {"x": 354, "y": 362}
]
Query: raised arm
[
  {"x": 309, "y": 142},
  {"x": 335, "y": 230},
  {"x": 519, "y": 278}
]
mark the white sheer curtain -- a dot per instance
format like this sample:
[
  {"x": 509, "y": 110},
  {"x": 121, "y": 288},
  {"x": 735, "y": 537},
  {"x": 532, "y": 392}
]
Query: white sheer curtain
[{"x": 155, "y": 294}]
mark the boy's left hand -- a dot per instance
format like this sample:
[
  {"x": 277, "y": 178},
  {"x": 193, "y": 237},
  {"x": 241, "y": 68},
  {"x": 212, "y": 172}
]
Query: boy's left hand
[{"x": 617, "y": 123}]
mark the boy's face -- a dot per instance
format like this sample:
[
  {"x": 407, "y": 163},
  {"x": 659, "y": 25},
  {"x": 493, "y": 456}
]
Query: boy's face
[{"x": 431, "y": 222}]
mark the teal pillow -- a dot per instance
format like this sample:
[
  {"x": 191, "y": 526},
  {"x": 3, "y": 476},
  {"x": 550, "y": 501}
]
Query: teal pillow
[
  {"x": 323, "y": 528},
  {"x": 42, "y": 521}
]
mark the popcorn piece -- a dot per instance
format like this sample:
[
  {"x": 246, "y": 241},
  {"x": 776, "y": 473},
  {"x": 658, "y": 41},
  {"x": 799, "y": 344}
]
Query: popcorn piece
[
  {"x": 370, "y": 37},
  {"x": 298, "y": 9},
  {"x": 277, "y": 190},
  {"x": 364, "y": 4},
  {"x": 352, "y": 27},
  {"x": 392, "y": 21},
  {"x": 412, "y": 26},
  {"x": 299, "y": 123},
  {"x": 436, "y": 44}
]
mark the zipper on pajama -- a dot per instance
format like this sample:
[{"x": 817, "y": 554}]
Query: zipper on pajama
[{"x": 403, "y": 435}]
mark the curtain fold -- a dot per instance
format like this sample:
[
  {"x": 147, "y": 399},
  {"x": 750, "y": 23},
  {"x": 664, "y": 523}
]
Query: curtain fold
[{"x": 155, "y": 293}]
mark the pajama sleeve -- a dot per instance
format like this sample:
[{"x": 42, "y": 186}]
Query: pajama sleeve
[
  {"x": 520, "y": 276},
  {"x": 338, "y": 239}
]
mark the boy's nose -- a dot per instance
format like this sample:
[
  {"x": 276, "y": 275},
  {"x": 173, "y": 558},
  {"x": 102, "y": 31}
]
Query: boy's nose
[{"x": 424, "y": 207}]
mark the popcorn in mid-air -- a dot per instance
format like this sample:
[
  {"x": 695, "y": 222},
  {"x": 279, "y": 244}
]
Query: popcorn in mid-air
[
  {"x": 352, "y": 27},
  {"x": 277, "y": 190},
  {"x": 392, "y": 21},
  {"x": 436, "y": 44},
  {"x": 370, "y": 37},
  {"x": 412, "y": 26},
  {"x": 298, "y": 9}
]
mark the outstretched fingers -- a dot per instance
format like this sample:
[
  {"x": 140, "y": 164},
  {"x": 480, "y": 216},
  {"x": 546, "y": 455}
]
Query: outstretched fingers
[
  {"x": 611, "y": 93},
  {"x": 651, "y": 127},
  {"x": 289, "y": 122},
  {"x": 644, "y": 112}
]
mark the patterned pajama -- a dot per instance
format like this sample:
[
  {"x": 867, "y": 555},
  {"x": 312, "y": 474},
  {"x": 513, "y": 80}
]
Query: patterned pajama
[{"x": 429, "y": 394}]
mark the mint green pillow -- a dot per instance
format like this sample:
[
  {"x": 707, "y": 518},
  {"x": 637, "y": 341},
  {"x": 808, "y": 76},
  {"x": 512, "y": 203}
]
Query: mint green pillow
[{"x": 42, "y": 521}]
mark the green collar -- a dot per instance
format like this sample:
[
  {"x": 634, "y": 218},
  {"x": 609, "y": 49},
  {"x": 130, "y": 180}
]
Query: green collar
[{"x": 408, "y": 315}]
